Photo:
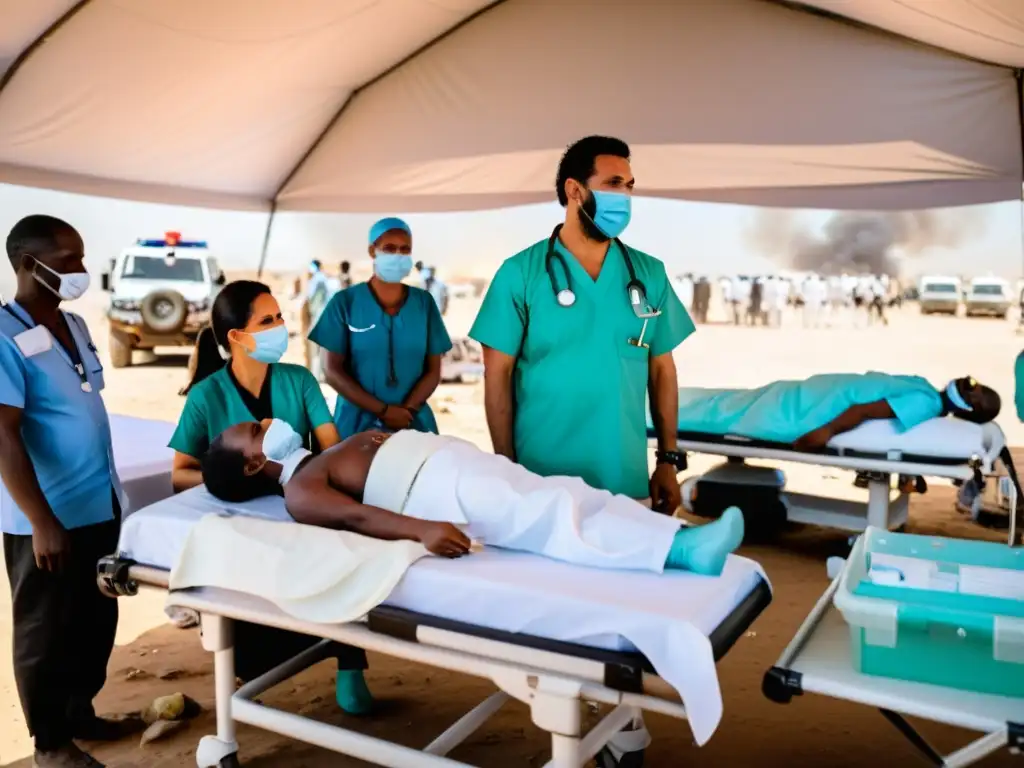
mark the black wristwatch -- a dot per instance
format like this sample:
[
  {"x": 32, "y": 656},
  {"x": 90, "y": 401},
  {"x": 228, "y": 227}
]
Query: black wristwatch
[{"x": 676, "y": 458}]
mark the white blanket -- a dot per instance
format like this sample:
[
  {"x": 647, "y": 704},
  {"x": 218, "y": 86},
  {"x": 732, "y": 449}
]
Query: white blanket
[{"x": 314, "y": 574}]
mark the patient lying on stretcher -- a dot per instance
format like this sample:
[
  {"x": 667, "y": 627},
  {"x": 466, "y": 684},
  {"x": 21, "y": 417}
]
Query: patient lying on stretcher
[
  {"x": 811, "y": 412},
  {"x": 445, "y": 492}
]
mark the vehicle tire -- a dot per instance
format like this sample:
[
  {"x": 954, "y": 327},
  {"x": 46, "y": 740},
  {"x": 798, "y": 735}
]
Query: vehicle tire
[
  {"x": 120, "y": 352},
  {"x": 164, "y": 312}
]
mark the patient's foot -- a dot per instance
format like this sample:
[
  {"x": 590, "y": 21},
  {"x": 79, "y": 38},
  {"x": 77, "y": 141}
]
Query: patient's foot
[
  {"x": 351, "y": 692},
  {"x": 704, "y": 549}
]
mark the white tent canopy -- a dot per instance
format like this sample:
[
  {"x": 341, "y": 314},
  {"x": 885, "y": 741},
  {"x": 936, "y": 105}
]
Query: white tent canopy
[{"x": 431, "y": 105}]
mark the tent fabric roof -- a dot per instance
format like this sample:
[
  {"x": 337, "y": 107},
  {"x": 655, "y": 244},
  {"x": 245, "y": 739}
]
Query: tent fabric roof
[{"x": 420, "y": 105}]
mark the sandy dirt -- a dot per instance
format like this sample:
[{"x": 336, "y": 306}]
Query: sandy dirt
[{"x": 417, "y": 703}]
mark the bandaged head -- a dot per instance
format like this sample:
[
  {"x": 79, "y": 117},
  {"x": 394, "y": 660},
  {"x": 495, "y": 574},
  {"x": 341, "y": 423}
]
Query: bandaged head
[{"x": 966, "y": 399}]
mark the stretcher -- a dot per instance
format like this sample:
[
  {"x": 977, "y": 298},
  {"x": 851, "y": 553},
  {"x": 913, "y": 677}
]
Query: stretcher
[
  {"x": 818, "y": 661},
  {"x": 142, "y": 458},
  {"x": 545, "y": 633},
  {"x": 942, "y": 447}
]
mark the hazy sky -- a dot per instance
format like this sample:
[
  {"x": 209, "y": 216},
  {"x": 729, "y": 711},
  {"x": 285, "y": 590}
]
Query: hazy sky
[{"x": 698, "y": 237}]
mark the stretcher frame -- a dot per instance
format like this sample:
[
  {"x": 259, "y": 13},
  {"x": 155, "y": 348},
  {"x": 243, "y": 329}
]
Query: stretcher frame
[
  {"x": 818, "y": 660},
  {"x": 551, "y": 677},
  {"x": 886, "y": 508}
]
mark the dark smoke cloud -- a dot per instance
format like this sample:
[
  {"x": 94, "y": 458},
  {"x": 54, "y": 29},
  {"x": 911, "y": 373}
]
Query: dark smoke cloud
[{"x": 860, "y": 242}]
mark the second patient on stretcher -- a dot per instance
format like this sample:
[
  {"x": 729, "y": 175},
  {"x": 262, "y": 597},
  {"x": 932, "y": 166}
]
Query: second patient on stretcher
[
  {"x": 810, "y": 412},
  {"x": 445, "y": 493}
]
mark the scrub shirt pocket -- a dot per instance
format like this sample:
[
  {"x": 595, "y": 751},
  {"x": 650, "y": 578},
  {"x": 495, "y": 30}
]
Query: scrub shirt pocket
[{"x": 94, "y": 369}]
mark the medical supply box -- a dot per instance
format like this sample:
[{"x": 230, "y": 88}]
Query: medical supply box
[{"x": 935, "y": 610}]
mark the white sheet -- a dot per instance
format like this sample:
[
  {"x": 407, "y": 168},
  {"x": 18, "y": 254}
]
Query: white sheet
[
  {"x": 142, "y": 458},
  {"x": 514, "y": 592}
]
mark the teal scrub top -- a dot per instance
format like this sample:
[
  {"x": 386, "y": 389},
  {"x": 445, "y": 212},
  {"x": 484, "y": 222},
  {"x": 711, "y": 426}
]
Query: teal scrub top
[
  {"x": 215, "y": 404},
  {"x": 580, "y": 388},
  {"x": 1018, "y": 385},
  {"x": 355, "y": 325},
  {"x": 66, "y": 431},
  {"x": 784, "y": 411}
]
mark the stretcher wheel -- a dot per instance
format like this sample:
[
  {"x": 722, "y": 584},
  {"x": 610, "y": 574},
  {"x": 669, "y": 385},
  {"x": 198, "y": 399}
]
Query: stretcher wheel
[
  {"x": 605, "y": 759},
  {"x": 231, "y": 761}
]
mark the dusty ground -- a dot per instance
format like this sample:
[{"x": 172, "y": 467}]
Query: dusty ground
[{"x": 418, "y": 703}]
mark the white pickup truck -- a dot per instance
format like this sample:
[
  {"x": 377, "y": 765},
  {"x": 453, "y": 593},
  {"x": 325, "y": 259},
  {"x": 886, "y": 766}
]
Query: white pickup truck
[{"x": 161, "y": 292}]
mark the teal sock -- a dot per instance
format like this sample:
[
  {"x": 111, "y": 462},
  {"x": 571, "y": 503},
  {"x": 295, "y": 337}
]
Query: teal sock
[
  {"x": 703, "y": 549},
  {"x": 351, "y": 692}
]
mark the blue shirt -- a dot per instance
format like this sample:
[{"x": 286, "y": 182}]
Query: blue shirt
[
  {"x": 784, "y": 411},
  {"x": 66, "y": 431},
  {"x": 355, "y": 325}
]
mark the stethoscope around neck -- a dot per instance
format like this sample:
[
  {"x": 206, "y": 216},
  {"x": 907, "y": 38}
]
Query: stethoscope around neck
[{"x": 636, "y": 291}]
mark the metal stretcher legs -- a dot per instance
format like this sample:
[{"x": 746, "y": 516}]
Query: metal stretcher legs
[{"x": 220, "y": 751}]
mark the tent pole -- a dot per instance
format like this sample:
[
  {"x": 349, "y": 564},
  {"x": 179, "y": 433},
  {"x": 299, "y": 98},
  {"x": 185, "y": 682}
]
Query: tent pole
[
  {"x": 1019, "y": 77},
  {"x": 266, "y": 239}
]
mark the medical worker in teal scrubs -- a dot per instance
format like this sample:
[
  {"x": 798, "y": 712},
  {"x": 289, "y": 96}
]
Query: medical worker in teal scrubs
[
  {"x": 571, "y": 353},
  {"x": 577, "y": 330},
  {"x": 384, "y": 342},
  {"x": 1018, "y": 385},
  {"x": 238, "y": 377}
]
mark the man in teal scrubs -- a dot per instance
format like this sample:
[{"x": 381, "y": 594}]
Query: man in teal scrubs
[
  {"x": 568, "y": 359},
  {"x": 568, "y": 362},
  {"x": 61, "y": 500}
]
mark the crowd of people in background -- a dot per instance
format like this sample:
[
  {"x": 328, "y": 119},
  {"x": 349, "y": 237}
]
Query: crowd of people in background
[{"x": 762, "y": 300}]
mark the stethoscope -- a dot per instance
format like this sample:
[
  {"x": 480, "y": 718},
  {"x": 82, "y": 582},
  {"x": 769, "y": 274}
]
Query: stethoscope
[
  {"x": 636, "y": 291},
  {"x": 73, "y": 353}
]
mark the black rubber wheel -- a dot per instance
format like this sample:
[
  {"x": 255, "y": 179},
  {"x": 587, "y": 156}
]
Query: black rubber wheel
[
  {"x": 164, "y": 311},
  {"x": 120, "y": 352},
  {"x": 605, "y": 759},
  {"x": 231, "y": 761}
]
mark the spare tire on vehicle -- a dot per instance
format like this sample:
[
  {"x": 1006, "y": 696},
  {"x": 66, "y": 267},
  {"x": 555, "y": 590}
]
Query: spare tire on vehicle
[{"x": 164, "y": 312}]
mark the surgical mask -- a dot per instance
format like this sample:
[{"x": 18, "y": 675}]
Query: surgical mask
[
  {"x": 612, "y": 212},
  {"x": 271, "y": 344},
  {"x": 280, "y": 441},
  {"x": 392, "y": 267},
  {"x": 71, "y": 286}
]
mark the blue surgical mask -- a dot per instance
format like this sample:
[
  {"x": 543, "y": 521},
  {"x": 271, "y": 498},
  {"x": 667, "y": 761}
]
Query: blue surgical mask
[
  {"x": 612, "y": 212},
  {"x": 271, "y": 344},
  {"x": 392, "y": 267},
  {"x": 280, "y": 441}
]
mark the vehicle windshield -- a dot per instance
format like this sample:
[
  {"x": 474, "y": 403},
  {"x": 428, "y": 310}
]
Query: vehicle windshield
[
  {"x": 157, "y": 268},
  {"x": 939, "y": 288},
  {"x": 987, "y": 290}
]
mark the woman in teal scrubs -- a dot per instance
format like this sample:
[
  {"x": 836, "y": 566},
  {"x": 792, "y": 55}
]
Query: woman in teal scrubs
[
  {"x": 239, "y": 377},
  {"x": 384, "y": 342}
]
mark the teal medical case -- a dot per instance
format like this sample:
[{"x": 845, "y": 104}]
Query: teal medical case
[{"x": 934, "y": 610}]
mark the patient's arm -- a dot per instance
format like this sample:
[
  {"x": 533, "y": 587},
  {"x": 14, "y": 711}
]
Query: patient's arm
[
  {"x": 311, "y": 499},
  {"x": 186, "y": 472},
  {"x": 849, "y": 419}
]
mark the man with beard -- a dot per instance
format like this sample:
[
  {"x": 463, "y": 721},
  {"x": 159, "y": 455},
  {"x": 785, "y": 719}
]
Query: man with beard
[{"x": 577, "y": 330}]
